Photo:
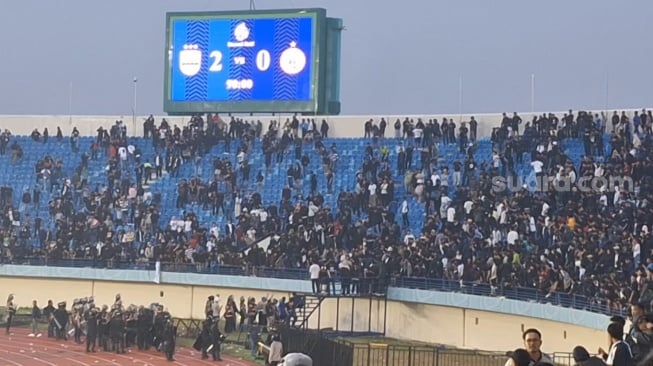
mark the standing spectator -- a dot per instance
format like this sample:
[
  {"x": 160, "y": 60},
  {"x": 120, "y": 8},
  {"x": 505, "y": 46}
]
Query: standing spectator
[
  {"x": 48, "y": 311},
  {"x": 276, "y": 351},
  {"x": 324, "y": 129},
  {"x": 533, "y": 341},
  {"x": 473, "y": 127},
  {"x": 404, "y": 214},
  {"x": 619, "y": 354},
  {"x": 11, "y": 311},
  {"x": 254, "y": 336},
  {"x": 314, "y": 271},
  {"x": 36, "y": 316}
]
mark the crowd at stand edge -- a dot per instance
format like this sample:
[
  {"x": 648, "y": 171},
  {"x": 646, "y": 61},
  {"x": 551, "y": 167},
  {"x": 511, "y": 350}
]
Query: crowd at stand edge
[{"x": 592, "y": 239}]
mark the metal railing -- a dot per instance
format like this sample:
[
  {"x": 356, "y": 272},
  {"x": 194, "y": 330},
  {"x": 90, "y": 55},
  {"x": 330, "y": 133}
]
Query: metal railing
[
  {"x": 370, "y": 354},
  {"x": 573, "y": 301}
]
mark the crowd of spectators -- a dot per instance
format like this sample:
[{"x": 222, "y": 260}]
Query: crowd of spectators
[{"x": 583, "y": 229}]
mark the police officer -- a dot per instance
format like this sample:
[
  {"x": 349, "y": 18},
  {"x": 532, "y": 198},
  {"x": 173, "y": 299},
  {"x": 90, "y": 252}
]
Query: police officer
[
  {"x": 216, "y": 340},
  {"x": 103, "y": 328},
  {"x": 144, "y": 322},
  {"x": 117, "y": 332},
  {"x": 48, "y": 312},
  {"x": 159, "y": 328},
  {"x": 61, "y": 320},
  {"x": 77, "y": 322},
  {"x": 169, "y": 339},
  {"x": 130, "y": 326},
  {"x": 91, "y": 329},
  {"x": 205, "y": 340}
]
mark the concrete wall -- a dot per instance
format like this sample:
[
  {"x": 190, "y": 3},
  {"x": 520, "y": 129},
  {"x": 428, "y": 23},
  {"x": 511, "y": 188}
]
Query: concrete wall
[
  {"x": 340, "y": 126},
  {"x": 411, "y": 321}
]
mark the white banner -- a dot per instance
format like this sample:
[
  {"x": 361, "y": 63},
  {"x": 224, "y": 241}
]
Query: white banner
[{"x": 157, "y": 272}]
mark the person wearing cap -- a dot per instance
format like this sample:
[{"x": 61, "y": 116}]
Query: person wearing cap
[
  {"x": 533, "y": 343},
  {"x": 619, "y": 354}
]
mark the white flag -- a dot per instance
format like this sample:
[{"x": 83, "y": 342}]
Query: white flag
[{"x": 157, "y": 272}]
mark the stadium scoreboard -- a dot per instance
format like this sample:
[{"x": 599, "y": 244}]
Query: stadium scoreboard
[{"x": 283, "y": 61}]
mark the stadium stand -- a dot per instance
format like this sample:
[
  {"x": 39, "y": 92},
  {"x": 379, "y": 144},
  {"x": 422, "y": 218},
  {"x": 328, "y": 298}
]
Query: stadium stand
[{"x": 420, "y": 204}]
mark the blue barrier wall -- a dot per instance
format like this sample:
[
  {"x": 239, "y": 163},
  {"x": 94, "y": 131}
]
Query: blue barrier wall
[{"x": 451, "y": 299}]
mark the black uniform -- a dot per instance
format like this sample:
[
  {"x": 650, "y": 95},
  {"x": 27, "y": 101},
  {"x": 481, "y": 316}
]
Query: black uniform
[
  {"x": 91, "y": 330},
  {"x": 160, "y": 321},
  {"x": 103, "y": 330},
  {"x": 169, "y": 340},
  {"x": 205, "y": 340},
  {"x": 61, "y": 319},
  {"x": 48, "y": 312},
  {"x": 117, "y": 332},
  {"x": 216, "y": 340},
  {"x": 144, "y": 323},
  {"x": 130, "y": 331}
]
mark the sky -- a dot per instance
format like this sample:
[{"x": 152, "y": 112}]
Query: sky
[{"x": 398, "y": 57}]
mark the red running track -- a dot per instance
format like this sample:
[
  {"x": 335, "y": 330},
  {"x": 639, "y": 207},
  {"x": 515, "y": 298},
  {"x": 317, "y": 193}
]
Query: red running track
[{"x": 20, "y": 350}]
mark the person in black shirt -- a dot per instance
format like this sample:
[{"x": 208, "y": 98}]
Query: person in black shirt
[
  {"x": 117, "y": 332},
  {"x": 204, "y": 340},
  {"x": 619, "y": 354},
  {"x": 48, "y": 312},
  {"x": 91, "y": 329},
  {"x": 61, "y": 319},
  {"x": 169, "y": 340},
  {"x": 216, "y": 340}
]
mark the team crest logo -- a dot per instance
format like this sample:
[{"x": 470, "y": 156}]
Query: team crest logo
[
  {"x": 241, "y": 32},
  {"x": 190, "y": 60},
  {"x": 293, "y": 60}
]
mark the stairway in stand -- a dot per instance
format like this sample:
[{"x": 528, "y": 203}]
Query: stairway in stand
[{"x": 312, "y": 303}]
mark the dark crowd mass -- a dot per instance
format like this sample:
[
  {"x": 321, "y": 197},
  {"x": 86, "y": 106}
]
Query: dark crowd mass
[
  {"x": 412, "y": 199},
  {"x": 104, "y": 328},
  {"x": 117, "y": 328}
]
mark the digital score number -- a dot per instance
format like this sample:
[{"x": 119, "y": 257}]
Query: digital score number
[{"x": 292, "y": 60}]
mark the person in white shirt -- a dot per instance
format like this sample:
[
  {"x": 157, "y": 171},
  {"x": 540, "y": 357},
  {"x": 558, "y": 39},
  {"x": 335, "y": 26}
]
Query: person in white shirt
[
  {"x": 451, "y": 215},
  {"x": 276, "y": 351},
  {"x": 216, "y": 308},
  {"x": 512, "y": 237},
  {"x": 314, "y": 271},
  {"x": 537, "y": 167},
  {"x": 372, "y": 189},
  {"x": 404, "y": 213}
]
